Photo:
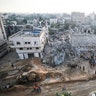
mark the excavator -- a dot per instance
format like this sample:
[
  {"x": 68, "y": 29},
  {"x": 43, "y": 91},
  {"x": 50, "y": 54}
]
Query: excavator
[{"x": 28, "y": 77}]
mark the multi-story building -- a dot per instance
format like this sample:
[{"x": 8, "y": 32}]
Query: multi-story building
[
  {"x": 66, "y": 17},
  {"x": 29, "y": 42},
  {"x": 3, "y": 48},
  {"x": 77, "y": 16},
  {"x": 2, "y": 30},
  {"x": 53, "y": 21}
]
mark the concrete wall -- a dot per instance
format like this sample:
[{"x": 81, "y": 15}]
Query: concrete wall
[
  {"x": 26, "y": 55},
  {"x": 36, "y": 54},
  {"x": 84, "y": 41},
  {"x": 21, "y": 56}
]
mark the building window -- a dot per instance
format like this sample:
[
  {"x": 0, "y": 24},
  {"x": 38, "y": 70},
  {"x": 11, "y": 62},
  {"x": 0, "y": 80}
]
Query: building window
[
  {"x": 27, "y": 42},
  {"x": 27, "y": 48},
  {"x": 20, "y": 48},
  {"x": 18, "y": 43},
  {"x": 35, "y": 42},
  {"x": 37, "y": 47}
]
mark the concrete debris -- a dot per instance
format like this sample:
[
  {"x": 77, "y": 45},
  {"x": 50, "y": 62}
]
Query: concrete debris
[{"x": 58, "y": 50}]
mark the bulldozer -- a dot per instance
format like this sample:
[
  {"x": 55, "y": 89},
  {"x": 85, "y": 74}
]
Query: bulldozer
[{"x": 28, "y": 77}]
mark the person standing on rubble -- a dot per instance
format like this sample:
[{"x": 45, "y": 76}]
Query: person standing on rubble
[{"x": 12, "y": 65}]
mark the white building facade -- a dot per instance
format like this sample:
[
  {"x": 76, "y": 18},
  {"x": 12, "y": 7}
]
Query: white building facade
[{"x": 29, "y": 43}]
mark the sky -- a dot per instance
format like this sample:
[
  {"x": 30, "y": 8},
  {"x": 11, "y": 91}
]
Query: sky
[{"x": 48, "y": 6}]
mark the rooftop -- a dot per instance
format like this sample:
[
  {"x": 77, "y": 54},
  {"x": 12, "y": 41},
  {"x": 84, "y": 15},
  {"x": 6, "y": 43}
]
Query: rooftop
[{"x": 34, "y": 32}]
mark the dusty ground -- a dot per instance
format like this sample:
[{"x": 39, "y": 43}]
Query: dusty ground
[{"x": 77, "y": 89}]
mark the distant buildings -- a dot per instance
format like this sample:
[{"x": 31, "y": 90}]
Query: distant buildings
[
  {"x": 53, "y": 21},
  {"x": 92, "y": 16},
  {"x": 29, "y": 42},
  {"x": 77, "y": 16},
  {"x": 66, "y": 17}
]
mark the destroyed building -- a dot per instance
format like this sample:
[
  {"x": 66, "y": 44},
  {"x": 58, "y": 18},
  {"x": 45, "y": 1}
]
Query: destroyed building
[
  {"x": 58, "y": 50},
  {"x": 83, "y": 42}
]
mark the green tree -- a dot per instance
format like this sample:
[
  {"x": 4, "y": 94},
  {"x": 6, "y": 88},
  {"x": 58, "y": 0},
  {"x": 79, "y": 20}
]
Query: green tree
[
  {"x": 66, "y": 26},
  {"x": 24, "y": 21},
  {"x": 55, "y": 25}
]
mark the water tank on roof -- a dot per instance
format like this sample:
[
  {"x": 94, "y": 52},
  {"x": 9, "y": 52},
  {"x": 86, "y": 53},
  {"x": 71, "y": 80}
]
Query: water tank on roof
[{"x": 26, "y": 33}]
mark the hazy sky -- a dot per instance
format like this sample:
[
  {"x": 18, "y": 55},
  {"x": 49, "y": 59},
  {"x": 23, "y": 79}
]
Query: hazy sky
[{"x": 47, "y": 6}]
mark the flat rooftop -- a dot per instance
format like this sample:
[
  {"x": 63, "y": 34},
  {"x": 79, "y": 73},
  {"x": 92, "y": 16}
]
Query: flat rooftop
[{"x": 36, "y": 32}]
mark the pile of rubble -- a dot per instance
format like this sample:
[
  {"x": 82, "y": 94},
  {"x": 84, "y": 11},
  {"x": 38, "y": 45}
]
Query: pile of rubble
[{"x": 58, "y": 50}]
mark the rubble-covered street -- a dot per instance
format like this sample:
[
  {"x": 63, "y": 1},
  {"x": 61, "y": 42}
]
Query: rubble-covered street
[
  {"x": 47, "y": 54},
  {"x": 52, "y": 80}
]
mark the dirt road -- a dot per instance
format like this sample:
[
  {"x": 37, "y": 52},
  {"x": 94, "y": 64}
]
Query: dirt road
[{"x": 77, "y": 89}]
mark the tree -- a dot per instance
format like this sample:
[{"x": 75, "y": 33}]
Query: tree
[
  {"x": 24, "y": 21},
  {"x": 55, "y": 25},
  {"x": 66, "y": 26}
]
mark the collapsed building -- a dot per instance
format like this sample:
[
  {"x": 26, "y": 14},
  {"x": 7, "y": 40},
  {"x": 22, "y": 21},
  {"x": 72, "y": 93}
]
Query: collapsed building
[
  {"x": 83, "y": 42},
  {"x": 58, "y": 50}
]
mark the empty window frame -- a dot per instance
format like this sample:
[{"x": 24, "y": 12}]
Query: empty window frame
[
  {"x": 35, "y": 42},
  {"x": 20, "y": 48},
  {"x": 37, "y": 47},
  {"x": 27, "y": 42},
  {"x": 18, "y": 43}
]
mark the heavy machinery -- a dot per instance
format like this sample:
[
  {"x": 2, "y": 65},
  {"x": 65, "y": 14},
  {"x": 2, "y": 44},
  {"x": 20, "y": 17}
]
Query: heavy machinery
[{"x": 28, "y": 77}]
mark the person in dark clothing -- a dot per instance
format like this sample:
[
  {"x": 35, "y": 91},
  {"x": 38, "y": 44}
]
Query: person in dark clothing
[
  {"x": 12, "y": 65},
  {"x": 37, "y": 88}
]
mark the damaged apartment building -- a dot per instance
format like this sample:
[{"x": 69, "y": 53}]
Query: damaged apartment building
[
  {"x": 66, "y": 47},
  {"x": 3, "y": 43},
  {"x": 29, "y": 42}
]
